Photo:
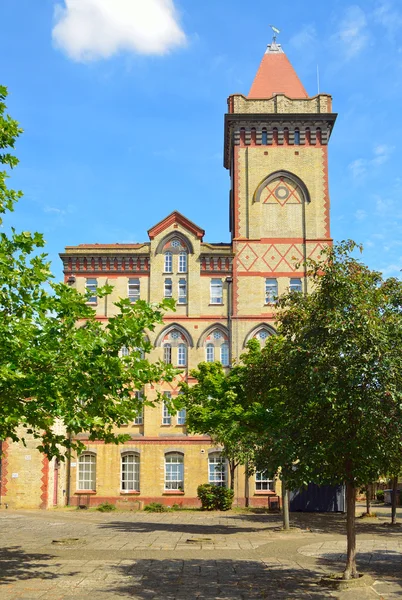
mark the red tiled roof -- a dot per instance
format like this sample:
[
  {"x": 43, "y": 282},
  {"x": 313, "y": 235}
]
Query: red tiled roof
[{"x": 276, "y": 76}]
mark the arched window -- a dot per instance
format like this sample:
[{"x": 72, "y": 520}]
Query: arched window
[
  {"x": 225, "y": 354},
  {"x": 264, "y": 137},
  {"x": 210, "y": 353},
  {"x": 130, "y": 472},
  {"x": 182, "y": 266},
  {"x": 297, "y": 137},
  {"x": 217, "y": 471},
  {"x": 174, "y": 471},
  {"x": 87, "y": 471},
  {"x": 168, "y": 268},
  {"x": 167, "y": 354},
  {"x": 181, "y": 355}
]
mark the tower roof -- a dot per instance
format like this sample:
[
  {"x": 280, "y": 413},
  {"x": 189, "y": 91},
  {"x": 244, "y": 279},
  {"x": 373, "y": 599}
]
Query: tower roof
[{"x": 276, "y": 76}]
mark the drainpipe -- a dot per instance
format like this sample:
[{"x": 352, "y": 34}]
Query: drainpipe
[{"x": 229, "y": 281}]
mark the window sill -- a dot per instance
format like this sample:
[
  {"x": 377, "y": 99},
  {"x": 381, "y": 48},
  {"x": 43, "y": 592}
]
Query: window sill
[
  {"x": 215, "y": 304},
  {"x": 91, "y": 303},
  {"x": 130, "y": 493},
  {"x": 166, "y": 425},
  {"x": 264, "y": 493},
  {"x": 173, "y": 493},
  {"x": 181, "y": 304},
  {"x": 86, "y": 492}
]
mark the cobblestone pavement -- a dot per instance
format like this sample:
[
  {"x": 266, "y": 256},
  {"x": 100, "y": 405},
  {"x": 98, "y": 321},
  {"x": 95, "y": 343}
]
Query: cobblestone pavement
[{"x": 77, "y": 555}]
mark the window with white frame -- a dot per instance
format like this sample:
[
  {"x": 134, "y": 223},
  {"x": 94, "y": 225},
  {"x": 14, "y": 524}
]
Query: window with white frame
[
  {"x": 130, "y": 472},
  {"x": 124, "y": 351},
  {"x": 181, "y": 355},
  {"x": 166, "y": 416},
  {"x": 167, "y": 354},
  {"x": 168, "y": 288},
  {"x": 295, "y": 285},
  {"x": 168, "y": 264},
  {"x": 87, "y": 471},
  {"x": 210, "y": 353},
  {"x": 225, "y": 354},
  {"x": 271, "y": 291},
  {"x": 263, "y": 482},
  {"x": 182, "y": 289},
  {"x": 217, "y": 471},
  {"x": 182, "y": 262},
  {"x": 139, "y": 419},
  {"x": 216, "y": 291},
  {"x": 181, "y": 416},
  {"x": 92, "y": 289},
  {"x": 174, "y": 471},
  {"x": 133, "y": 290}
]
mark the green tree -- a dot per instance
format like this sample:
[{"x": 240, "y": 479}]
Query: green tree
[
  {"x": 330, "y": 386},
  {"x": 57, "y": 362}
]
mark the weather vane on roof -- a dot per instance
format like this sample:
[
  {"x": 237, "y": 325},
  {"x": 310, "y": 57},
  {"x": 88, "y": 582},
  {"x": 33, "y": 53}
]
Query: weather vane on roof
[{"x": 276, "y": 31}]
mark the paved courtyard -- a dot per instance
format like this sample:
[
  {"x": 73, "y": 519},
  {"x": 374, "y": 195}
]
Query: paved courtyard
[{"x": 72, "y": 554}]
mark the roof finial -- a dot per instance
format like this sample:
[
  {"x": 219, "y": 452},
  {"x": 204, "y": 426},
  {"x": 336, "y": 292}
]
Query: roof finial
[{"x": 276, "y": 31}]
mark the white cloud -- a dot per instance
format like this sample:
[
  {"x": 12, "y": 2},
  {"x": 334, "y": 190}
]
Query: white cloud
[
  {"x": 360, "y": 215},
  {"x": 89, "y": 30},
  {"x": 360, "y": 166},
  {"x": 352, "y": 35},
  {"x": 305, "y": 39},
  {"x": 382, "y": 153},
  {"x": 389, "y": 17}
]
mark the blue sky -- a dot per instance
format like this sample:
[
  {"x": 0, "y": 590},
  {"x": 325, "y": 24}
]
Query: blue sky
[{"x": 122, "y": 104}]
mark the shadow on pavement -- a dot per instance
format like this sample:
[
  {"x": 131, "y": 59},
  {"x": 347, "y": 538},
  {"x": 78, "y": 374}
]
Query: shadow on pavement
[
  {"x": 190, "y": 528},
  {"x": 17, "y": 565},
  {"x": 214, "y": 580}
]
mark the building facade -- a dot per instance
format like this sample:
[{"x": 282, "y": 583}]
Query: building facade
[{"x": 275, "y": 150}]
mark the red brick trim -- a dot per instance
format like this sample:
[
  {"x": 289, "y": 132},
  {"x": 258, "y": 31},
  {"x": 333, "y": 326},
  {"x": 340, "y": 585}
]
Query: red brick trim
[
  {"x": 4, "y": 470},
  {"x": 45, "y": 483},
  {"x": 173, "y": 493},
  {"x": 176, "y": 217},
  {"x": 326, "y": 191},
  {"x": 85, "y": 492},
  {"x": 290, "y": 274},
  {"x": 153, "y": 440}
]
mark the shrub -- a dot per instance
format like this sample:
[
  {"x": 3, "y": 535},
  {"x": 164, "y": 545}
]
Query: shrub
[
  {"x": 214, "y": 497},
  {"x": 155, "y": 507},
  {"x": 106, "y": 507},
  {"x": 380, "y": 495}
]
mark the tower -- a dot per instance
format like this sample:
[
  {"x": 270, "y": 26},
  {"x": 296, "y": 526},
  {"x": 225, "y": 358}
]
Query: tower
[{"x": 276, "y": 141}]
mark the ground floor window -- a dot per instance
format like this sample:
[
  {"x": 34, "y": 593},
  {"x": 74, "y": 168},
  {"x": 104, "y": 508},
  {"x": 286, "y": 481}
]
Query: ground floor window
[
  {"x": 263, "y": 482},
  {"x": 174, "y": 471},
  {"x": 217, "y": 471},
  {"x": 87, "y": 471},
  {"x": 130, "y": 472}
]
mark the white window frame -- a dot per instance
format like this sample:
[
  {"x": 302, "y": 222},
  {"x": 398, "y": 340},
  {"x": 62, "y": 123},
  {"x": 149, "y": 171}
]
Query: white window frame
[
  {"x": 263, "y": 483},
  {"x": 134, "y": 289},
  {"x": 296, "y": 285},
  {"x": 174, "y": 471},
  {"x": 124, "y": 351},
  {"x": 139, "y": 419},
  {"x": 217, "y": 469},
  {"x": 167, "y": 354},
  {"x": 209, "y": 352},
  {"x": 216, "y": 291},
  {"x": 168, "y": 288},
  {"x": 166, "y": 416},
  {"x": 182, "y": 291},
  {"x": 224, "y": 355},
  {"x": 86, "y": 472},
  {"x": 182, "y": 265},
  {"x": 91, "y": 285},
  {"x": 181, "y": 416},
  {"x": 181, "y": 355},
  {"x": 168, "y": 262},
  {"x": 271, "y": 291},
  {"x": 130, "y": 478}
]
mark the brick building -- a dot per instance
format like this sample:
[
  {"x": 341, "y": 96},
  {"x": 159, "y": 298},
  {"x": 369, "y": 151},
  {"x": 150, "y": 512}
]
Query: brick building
[{"x": 275, "y": 150}]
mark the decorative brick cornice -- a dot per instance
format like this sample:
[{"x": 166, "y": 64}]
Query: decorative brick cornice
[
  {"x": 179, "y": 219},
  {"x": 105, "y": 264}
]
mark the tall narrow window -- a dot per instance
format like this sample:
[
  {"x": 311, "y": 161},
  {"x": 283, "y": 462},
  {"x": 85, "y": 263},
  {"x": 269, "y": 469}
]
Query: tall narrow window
[
  {"x": 182, "y": 291},
  {"x": 264, "y": 138},
  {"x": 225, "y": 354},
  {"x": 130, "y": 472},
  {"x": 124, "y": 351},
  {"x": 216, "y": 291},
  {"x": 297, "y": 137},
  {"x": 174, "y": 471},
  {"x": 133, "y": 290},
  {"x": 182, "y": 262},
  {"x": 168, "y": 288},
  {"x": 262, "y": 482},
  {"x": 92, "y": 287},
  {"x": 166, "y": 416},
  {"x": 271, "y": 291},
  {"x": 295, "y": 285},
  {"x": 181, "y": 355},
  {"x": 167, "y": 354},
  {"x": 217, "y": 469},
  {"x": 181, "y": 416},
  {"x": 87, "y": 471},
  {"x": 139, "y": 419},
  {"x": 210, "y": 353},
  {"x": 168, "y": 267}
]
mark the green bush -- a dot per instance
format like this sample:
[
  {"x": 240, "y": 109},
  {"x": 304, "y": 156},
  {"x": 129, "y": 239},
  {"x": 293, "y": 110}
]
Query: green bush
[
  {"x": 213, "y": 497},
  {"x": 380, "y": 495},
  {"x": 106, "y": 507},
  {"x": 155, "y": 507}
]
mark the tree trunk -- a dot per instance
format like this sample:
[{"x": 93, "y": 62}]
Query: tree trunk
[
  {"x": 368, "y": 499},
  {"x": 285, "y": 506},
  {"x": 351, "y": 568},
  {"x": 232, "y": 468},
  {"x": 394, "y": 499}
]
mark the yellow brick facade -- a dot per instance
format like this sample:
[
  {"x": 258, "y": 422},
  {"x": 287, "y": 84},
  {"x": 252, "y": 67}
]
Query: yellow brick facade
[{"x": 276, "y": 155}]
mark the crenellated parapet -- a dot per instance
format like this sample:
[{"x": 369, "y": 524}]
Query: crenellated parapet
[{"x": 279, "y": 103}]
